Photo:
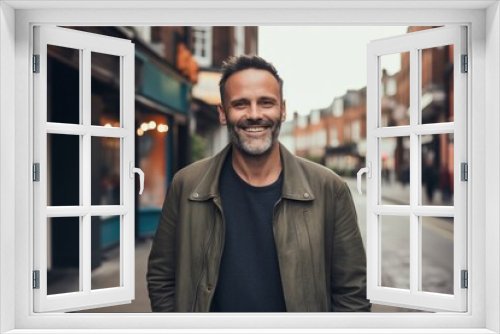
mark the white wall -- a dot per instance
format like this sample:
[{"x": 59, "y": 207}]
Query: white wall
[
  {"x": 492, "y": 154},
  {"x": 7, "y": 160}
]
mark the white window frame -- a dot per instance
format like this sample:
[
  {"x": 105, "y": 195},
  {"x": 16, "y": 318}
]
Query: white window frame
[{"x": 16, "y": 21}]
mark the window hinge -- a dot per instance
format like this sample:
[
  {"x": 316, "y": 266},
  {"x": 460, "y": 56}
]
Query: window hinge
[
  {"x": 36, "y": 172},
  {"x": 36, "y": 63},
  {"x": 36, "y": 279},
  {"x": 464, "y": 171},
  {"x": 465, "y": 279},
  {"x": 465, "y": 64}
]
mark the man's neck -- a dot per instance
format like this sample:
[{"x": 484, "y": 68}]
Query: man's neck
[{"x": 258, "y": 171}]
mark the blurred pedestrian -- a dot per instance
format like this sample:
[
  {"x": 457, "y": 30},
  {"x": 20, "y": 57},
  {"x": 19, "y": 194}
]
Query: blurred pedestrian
[
  {"x": 444, "y": 181},
  {"x": 429, "y": 177},
  {"x": 254, "y": 228}
]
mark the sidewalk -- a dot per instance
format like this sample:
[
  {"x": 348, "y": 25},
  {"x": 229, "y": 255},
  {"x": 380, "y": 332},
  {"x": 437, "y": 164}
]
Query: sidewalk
[{"x": 104, "y": 274}]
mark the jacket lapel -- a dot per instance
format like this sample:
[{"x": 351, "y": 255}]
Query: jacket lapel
[
  {"x": 209, "y": 184},
  {"x": 295, "y": 183}
]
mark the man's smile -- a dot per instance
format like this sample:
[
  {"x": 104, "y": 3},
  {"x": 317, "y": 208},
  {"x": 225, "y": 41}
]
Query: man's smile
[{"x": 254, "y": 130}]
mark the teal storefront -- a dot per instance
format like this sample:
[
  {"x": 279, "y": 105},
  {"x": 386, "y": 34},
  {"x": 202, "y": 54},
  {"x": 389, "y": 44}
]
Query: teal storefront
[{"x": 163, "y": 96}]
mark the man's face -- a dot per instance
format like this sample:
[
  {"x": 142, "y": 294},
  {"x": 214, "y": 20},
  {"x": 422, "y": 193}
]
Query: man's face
[{"x": 253, "y": 111}]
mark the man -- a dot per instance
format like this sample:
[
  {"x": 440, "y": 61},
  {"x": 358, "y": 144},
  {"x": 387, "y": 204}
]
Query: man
[{"x": 254, "y": 228}]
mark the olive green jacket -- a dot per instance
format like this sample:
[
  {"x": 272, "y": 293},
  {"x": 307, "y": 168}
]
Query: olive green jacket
[{"x": 321, "y": 256}]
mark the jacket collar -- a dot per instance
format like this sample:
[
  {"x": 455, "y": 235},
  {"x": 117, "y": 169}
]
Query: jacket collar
[{"x": 295, "y": 183}]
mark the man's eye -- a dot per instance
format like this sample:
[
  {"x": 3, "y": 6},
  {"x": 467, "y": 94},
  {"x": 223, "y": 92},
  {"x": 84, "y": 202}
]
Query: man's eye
[
  {"x": 267, "y": 104},
  {"x": 239, "y": 105}
]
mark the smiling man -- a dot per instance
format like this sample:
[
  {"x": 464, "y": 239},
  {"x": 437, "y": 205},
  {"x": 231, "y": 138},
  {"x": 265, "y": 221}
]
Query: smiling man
[{"x": 254, "y": 228}]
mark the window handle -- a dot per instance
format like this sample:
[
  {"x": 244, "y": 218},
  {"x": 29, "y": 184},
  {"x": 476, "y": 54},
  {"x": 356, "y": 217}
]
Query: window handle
[
  {"x": 138, "y": 171},
  {"x": 368, "y": 171}
]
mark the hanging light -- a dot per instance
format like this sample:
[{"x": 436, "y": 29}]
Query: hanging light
[
  {"x": 140, "y": 132},
  {"x": 144, "y": 127},
  {"x": 152, "y": 125},
  {"x": 162, "y": 128}
]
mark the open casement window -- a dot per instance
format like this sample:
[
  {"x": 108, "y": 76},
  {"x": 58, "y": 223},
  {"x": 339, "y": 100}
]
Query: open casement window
[
  {"x": 403, "y": 124},
  {"x": 69, "y": 142}
]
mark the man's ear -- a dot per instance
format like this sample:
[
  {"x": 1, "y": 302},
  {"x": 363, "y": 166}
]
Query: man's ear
[
  {"x": 222, "y": 114},
  {"x": 283, "y": 111}
]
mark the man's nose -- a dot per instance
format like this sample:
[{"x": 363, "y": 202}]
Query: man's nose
[{"x": 254, "y": 111}]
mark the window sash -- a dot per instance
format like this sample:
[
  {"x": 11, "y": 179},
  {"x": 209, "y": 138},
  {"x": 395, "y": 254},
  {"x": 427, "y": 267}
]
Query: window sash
[
  {"x": 86, "y": 43},
  {"x": 417, "y": 299}
]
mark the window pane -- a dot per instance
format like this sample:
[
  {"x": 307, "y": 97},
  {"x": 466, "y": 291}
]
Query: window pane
[
  {"x": 63, "y": 170},
  {"x": 437, "y": 85},
  {"x": 105, "y": 90},
  {"x": 437, "y": 254},
  {"x": 395, "y": 89},
  {"x": 105, "y": 171},
  {"x": 63, "y": 85},
  {"x": 63, "y": 255},
  {"x": 105, "y": 252},
  {"x": 395, "y": 255},
  {"x": 395, "y": 170},
  {"x": 437, "y": 169}
]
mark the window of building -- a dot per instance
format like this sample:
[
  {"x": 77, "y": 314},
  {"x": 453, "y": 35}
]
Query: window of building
[
  {"x": 356, "y": 130},
  {"x": 334, "y": 137},
  {"x": 202, "y": 45},
  {"x": 239, "y": 40},
  {"x": 338, "y": 107}
]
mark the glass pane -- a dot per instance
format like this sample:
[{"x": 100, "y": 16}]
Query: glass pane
[
  {"x": 63, "y": 255},
  {"x": 105, "y": 252},
  {"x": 395, "y": 170},
  {"x": 437, "y": 169},
  {"x": 437, "y": 85},
  {"x": 105, "y": 171},
  {"x": 395, "y": 89},
  {"x": 63, "y": 170},
  {"x": 105, "y": 90},
  {"x": 63, "y": 85},
  {"x": 437, "y": 254},
  {"x": 395, "y": 257}
]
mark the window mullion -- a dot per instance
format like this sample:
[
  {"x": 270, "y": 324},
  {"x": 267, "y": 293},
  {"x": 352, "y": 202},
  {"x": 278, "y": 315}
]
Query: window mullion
[
  {"x": 85, "y": 237},
  {"x": 414, "y": 171}
]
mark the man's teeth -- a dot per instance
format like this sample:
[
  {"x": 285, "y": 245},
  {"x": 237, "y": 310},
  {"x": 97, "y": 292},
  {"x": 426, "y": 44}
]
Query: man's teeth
[{"x": 255, "y": 129}]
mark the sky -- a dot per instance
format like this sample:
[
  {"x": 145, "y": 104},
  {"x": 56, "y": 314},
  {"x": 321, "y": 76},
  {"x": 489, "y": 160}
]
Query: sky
[{"x": 319, "y": 63}]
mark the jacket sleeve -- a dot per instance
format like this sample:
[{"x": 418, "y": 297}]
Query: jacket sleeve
[
  {"x": 348, "y": 279},
  {"x": 161, "y": 263}
]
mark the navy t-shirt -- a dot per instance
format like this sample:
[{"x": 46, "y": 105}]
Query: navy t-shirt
[{"x": 249, "y": 275}]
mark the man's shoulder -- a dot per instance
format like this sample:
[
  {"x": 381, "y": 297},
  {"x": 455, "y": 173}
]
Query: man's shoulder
[
  {"x": 193, "y": 171},
  {"x": 317, "y": 173}
]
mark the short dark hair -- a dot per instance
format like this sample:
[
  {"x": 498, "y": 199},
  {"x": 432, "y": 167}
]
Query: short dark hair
[{"x": 235, "y": 64}]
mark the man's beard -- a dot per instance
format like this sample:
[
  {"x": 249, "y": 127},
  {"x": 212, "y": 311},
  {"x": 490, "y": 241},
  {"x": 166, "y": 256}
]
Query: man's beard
[{"x": 254, "y": 147}]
